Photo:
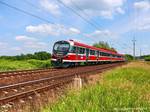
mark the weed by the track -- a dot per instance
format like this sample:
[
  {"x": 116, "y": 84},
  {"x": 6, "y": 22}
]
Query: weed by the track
[{"x": 125, "y": 89}]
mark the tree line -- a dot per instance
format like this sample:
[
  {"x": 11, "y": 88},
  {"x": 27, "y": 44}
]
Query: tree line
[{"x": 42, "y": 55}]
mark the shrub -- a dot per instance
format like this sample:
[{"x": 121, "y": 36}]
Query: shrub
[{"x": 147, "y": 58}]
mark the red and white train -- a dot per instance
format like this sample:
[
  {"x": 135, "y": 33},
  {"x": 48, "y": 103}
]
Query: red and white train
[{"x": 72, "y": 53}]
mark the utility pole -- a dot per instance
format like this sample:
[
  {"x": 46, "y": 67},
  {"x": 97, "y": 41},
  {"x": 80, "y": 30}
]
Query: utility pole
[
  {"x": 140, "y": 53},
  {"x": 134, "y": 47}
]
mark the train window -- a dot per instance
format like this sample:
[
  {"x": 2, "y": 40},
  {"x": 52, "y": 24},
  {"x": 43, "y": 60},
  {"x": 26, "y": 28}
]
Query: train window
[
  {"x": 81, "y": 50},
  {"x": 111, "y": 55},
  {"x": 108, "y": 54},
  {"x": 102, "y": 54},
  {"x": 61, "y": 47},
  {"x": 114, "y": 55},
  {"x": 92, "y": 52},
  {"x": 105, "y": 54},
  {"x": 73, "y": 49}
]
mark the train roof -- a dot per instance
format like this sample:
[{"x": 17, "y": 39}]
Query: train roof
[{"x": 94, "y": 48}]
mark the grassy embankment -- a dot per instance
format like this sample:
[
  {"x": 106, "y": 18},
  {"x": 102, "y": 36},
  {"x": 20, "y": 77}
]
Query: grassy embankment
[
  {"x": 6, "y": 65},
  {"x": 125, "y": 89}
]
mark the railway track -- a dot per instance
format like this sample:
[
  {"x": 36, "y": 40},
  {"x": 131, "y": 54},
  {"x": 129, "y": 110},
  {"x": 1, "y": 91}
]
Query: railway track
[
  {"x": 20, "y": 72},
  {"x": 55, "y": 78},
  {"x": 26, "y": 75}
]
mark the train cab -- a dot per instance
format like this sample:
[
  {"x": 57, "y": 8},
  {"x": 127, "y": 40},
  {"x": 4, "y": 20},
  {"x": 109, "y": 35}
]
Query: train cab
[{"x": 60, "y": 51}]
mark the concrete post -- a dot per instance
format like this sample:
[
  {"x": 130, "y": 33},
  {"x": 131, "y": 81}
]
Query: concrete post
[{"x": 77, "y": 83}]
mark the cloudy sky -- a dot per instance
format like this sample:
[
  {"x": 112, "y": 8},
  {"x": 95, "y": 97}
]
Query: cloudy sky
[{"x": 87, "y": 21}]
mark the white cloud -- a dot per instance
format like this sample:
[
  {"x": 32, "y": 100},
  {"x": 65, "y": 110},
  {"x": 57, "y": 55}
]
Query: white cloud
[
  {"x": 25, "y": 38},
  {"x": 74, "y": 30},
  {"x": 52, "y": 29},
  {"x": 143, "y": 17},
  {"x": 104, "y": 8},
  {"x": 29, "y": 42},
  {"x": 101, "y": 34},
  {"x": 139, "y": 20},
  {"x": 49, "y": 29},
  {"x": 119, "y": 10},
  {"x": 142, "y": 5},
  {"x": 70, "y": 31},
  {"x": 51, "y": 7}
]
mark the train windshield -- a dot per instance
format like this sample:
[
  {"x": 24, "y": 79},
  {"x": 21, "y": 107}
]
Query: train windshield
[{"x": 61, "y": 47}]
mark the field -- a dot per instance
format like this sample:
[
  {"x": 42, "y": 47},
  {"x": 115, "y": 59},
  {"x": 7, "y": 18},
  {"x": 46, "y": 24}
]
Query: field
[
  {"x": 124, "y": 89},
  {"x": 6, "y": 65}
]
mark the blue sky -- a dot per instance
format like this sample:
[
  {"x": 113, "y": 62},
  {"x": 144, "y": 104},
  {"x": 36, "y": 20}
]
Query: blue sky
[{"x": 117, "y": 21}]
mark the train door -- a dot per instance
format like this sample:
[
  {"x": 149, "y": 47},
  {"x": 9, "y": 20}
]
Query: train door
[
  {"x": 97, "y": 55},
  {"x": 77, "y": 51},
  {"x": 76, "y": 59},
  {"x": 87, "y": 55}
]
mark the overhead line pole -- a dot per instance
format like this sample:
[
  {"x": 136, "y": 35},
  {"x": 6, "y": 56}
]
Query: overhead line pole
[{"x": 134, "y": 47}]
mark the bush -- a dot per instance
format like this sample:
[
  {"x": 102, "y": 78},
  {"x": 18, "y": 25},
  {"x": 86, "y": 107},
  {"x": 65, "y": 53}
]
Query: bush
[{"x": 147, "y": 58}]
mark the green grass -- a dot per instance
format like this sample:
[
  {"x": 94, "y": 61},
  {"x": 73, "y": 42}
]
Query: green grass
[
  {"x": 124, "y": 89},
  {"x": 6, "y": 65}
]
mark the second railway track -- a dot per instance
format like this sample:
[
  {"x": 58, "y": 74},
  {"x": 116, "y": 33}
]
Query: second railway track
[{"x": 11, "y": 92}]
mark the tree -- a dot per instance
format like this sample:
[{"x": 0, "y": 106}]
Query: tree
[
  {"x": 42, "y": 55},
  {"x": 105, "y": 45},
  {"x": 129, "y": 57}
]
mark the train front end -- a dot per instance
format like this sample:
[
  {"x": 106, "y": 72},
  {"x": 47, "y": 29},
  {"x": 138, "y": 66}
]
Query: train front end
[{"x": 60, "y": 51}]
